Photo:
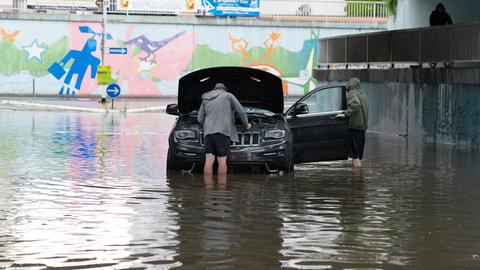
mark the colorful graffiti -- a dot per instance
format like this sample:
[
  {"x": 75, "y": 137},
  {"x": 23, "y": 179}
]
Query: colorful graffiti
[
  {"x": 65, "y": 60},
  {"x": 9, "y": 36},
  {"x": 81, "y": 61},
  {"x": 150, "y": 47}
]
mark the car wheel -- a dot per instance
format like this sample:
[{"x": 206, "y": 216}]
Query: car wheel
[
  {"x": 288, "y": 168},
  {"x": 172, "y": 163}
]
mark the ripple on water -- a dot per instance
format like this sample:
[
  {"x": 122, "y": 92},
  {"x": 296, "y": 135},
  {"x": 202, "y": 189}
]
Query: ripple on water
[{"x": 91, "y": 191}]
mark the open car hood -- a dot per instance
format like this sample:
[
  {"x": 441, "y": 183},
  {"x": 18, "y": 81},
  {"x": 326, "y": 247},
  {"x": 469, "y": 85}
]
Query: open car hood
[{"x": 252, "y": 87}]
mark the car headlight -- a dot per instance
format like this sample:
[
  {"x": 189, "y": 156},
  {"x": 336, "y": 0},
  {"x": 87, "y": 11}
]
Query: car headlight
[
  {"x": 185, "y": 134},
  {"x": 274, "y": 134}
]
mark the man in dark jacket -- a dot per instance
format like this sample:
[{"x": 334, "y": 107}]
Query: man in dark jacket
[
  {"x": 217, "y": 115},
  {"x": 357, "y": 111},
  {"x": 439, "y": 16}
]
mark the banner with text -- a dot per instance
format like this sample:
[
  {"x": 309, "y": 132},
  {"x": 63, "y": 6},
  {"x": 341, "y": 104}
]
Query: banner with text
[
  {"x": 62, "y": 4},
  {"x": 157, "y": 6},
  {"x": 241, "y": 8}
]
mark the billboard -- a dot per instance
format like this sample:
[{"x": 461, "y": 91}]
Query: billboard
[
  {"x": 149, "y": 6},
  {"x": 62, "y": 4},
  {"x": 240, "y": 8}
]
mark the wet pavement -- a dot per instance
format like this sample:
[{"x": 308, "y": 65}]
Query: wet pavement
[{"x": 90, "y": 191}]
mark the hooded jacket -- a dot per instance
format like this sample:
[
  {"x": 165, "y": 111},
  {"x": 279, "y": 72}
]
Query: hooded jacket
[
  {"x": 439, "y": 16},
  {"x": 217, "y": 113},
  {"x": 357, "y": 106}
]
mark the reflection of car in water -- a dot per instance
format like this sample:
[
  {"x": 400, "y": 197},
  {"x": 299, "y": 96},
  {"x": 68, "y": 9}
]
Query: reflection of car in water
[{"x": 306, "y": 132}]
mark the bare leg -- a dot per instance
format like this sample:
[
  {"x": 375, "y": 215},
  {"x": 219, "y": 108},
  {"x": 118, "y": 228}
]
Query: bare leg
[
  {"x": 208, "y": 180},
  {"x": 208, "y": 168},
  {"x": 222, "y": 165},
  {"x": 357, "y": 163},
  {"x": 222, "y": 181}
]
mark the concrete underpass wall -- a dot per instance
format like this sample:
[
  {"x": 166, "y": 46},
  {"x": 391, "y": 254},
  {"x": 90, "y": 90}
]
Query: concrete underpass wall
[
  {"x": 443, "y": 113},
  {"x": 160, "y": 50},
  {"x": 415, "y": 13}
]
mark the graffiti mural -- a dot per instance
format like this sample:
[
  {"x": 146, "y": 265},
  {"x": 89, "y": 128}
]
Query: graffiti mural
[
  {"x": 10, "y": 37},
  {"x": 81, "y": 61},
  {"x": 150, "y": 47},
  {"x": 63, "y": 57}
]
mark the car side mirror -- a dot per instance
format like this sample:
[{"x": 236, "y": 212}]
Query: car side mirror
[
  {"x": 172, "y": 109},
  {"x": 300, "y": 108}
]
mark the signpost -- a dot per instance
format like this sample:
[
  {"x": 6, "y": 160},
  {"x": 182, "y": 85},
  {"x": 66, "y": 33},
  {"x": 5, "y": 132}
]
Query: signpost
[
  {"x": 113, "y": 91},
  {"x": 102, "y": 4}
]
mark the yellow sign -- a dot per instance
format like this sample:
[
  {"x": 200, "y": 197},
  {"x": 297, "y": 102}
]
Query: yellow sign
[{"x": 104, "y": 75}]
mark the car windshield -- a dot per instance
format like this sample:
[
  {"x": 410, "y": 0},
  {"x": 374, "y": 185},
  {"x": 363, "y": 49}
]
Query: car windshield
[{"x": 248, "y": 110}]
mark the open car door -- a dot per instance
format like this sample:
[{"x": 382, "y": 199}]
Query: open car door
[{"x": 317, "y": 134}]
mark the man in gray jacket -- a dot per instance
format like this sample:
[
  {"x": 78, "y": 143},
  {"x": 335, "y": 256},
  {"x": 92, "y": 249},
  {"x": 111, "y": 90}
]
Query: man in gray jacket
[{"x": 217, "y": 115}]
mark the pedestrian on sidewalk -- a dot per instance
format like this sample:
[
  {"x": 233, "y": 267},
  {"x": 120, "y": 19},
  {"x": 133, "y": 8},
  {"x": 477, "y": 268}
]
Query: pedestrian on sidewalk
[
  {"x": 217, "y": 116},
  {"x": 357, "y": 111}
]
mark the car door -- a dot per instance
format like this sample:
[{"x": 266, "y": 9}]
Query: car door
[{"x": 317, "y": 134}]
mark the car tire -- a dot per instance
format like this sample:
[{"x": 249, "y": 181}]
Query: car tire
[
  {"x": 287, "y": 169},
  {"x": 172, "y": 163}
]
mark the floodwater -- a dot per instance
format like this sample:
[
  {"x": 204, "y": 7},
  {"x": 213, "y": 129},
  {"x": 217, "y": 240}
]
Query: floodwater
[{"x": 90, "y": 191}]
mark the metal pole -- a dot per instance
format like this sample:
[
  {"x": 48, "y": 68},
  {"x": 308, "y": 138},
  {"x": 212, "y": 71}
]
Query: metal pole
[
  {"x": 33, "y": 86},
  {"x": 104, "y": 33}
]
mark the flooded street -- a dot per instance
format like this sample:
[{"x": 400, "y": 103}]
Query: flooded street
[{"x": 86, "y": 190}]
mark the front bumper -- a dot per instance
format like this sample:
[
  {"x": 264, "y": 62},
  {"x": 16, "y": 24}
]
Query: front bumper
[{"x": 272, "y": 158}]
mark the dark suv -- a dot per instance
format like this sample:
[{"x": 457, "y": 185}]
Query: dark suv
[{"x": 305, "y": 132}]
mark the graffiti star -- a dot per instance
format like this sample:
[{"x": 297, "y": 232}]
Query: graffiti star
[
  {"x": 150, "y": 47},
  {"x": 34, "y": 51}
]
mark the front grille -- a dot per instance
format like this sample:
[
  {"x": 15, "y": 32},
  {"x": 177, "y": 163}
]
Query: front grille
[{"x": 244, "y": 139}]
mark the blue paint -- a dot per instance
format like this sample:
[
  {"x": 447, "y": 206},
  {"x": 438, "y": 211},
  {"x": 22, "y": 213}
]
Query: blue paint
[{"x": 82, "y": 60}]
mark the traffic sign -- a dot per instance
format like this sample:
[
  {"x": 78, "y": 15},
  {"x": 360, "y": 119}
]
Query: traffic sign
[
  {"x": 117, "y": 50},
  {"x": 113, "y": 90}
]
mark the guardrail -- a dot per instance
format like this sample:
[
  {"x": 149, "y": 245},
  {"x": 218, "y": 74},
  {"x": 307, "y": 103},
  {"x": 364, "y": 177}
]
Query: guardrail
[
  {"x": 302, "y": 9},
  {"x": 441, "y": 44}
]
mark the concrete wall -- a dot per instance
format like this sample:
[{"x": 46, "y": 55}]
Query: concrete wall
[
  {"x": 434, "y": 113},
  {"x": 415, "y": 13},
  {"x": 160, "y": 49},
  {"x": 436, "y": 105}
]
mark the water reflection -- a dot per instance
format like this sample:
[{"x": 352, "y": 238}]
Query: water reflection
[
  {"x": 78, "y": 193},
  {"x": 224, "y": 223},
  {"x": 84, "y": 190}
]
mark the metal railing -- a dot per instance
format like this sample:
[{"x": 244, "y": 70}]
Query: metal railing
[
  {"x": 309, "y": 9},
  {"x": 323, "y": 8},
  {"x": 157, "y": 8},
  {"x": 443, "y": 44}
]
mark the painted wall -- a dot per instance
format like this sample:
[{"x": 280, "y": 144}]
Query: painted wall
[
  {"x": 443, "y": 113},
  {"x": 62, "y": 57},
  {"x": 415, "y": 13}
]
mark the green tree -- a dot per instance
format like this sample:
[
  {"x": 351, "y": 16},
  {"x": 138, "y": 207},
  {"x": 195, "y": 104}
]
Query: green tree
[
  {"x": 370, "y": 9},
  {"x": 392, "y": 6}
]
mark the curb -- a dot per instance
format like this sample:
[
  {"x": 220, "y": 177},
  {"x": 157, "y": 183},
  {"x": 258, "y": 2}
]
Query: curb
[{"x": 80, "y": 109}]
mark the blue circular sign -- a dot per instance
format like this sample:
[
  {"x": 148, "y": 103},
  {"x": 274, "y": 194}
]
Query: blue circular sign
[{"x": 113, "y": 90}]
